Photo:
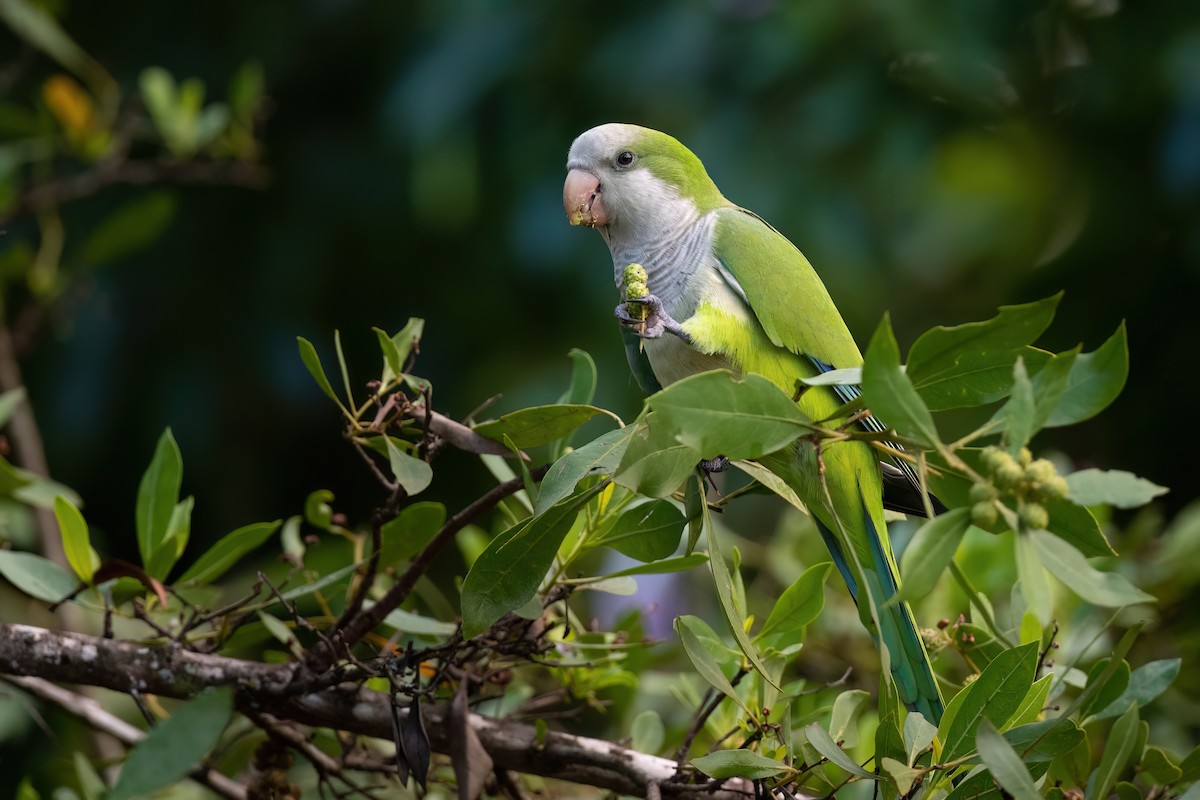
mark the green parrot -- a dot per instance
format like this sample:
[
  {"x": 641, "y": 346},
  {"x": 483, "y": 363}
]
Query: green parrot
[{"x": 728, "y": 291}]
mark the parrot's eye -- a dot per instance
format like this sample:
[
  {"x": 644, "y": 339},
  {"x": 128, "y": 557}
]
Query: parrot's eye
[{"x": 625, "y": 159}]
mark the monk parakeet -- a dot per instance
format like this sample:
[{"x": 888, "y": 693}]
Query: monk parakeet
[{"x": 728, "y": 291}]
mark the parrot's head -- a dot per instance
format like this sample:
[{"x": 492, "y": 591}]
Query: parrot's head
[{"x": 629, "y": 182}]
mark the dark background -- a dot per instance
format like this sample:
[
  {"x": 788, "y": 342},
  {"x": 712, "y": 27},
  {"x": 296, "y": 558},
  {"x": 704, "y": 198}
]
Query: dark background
[{"x": 932, "y": 160}]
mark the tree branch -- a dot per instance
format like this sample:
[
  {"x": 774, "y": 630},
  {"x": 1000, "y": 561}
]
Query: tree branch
[{"x": 172, "y": 671}]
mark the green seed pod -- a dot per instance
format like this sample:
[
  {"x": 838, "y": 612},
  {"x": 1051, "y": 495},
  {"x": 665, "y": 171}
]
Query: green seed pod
[
  {"x": 634, "y": 273},
  {"x": 1024, "y": 456},
  {"x": 1034, "y": 516},
  {"x": 993, "y": 457},
  {"x": 1056, "y": 488},
  {"x": 1040, "y": 471},
  {"x": 984, "y": 514},
  {"x": 1008, "y": 474},
  {"x": 982, "y": 492}
]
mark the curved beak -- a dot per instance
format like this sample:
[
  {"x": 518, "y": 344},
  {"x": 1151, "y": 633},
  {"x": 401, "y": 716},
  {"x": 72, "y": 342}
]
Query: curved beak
[{"x": 582, "y": 199}]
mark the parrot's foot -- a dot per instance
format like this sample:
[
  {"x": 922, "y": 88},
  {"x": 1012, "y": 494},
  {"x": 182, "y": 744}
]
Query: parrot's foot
[
  {"x": 718, "y": 464},
  {"x": 655, "y": 324}
]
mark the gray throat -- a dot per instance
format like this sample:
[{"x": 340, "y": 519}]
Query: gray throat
[{"x": 670, "y": 260}]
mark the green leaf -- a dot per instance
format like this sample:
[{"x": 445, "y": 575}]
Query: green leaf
[
  {"x": 507, "y": 574},
  {"x": 918, "y": 735},
  {"x": 929, "y": 553},
  {"x": 647, "y": 732},
  {"x": 393, "y": 363},
  {"x": 1108, "y": 589},
  {"x": 76, "y": 543},
  {"x": 646, "y": 532},
  {"x": 653, "y": 463},
  {"x": 412, "y": 529},
  {"x": 1117, "y": 751},
  {"x": 702, "y": 659},
  {"x": 843, "y": 720},
  {"x": 1159, "y": 766},
  {"x": 1094, "y": 381},
  {"x": 9, "y": 401},
  {"x": 739, "y": 764},
  {"x": 171, "y": 547},
  {"x": 582, "y": 389},
  {"x": 724, "y": 585},
  {"x": 399, "y": 348},
  {"x": 715, "y": 414},
  {"x": 1191, "y": 766},
  {"x": 1145, "y": 683},
  {"x": 1077, "y": 526},
  {"x": 176, "y": 745},
  {"x": 158, "y": 494},
  {"x": 1093, "y": 487},
  {"x": 37, "y": 577},
  {"x": 1035, "y": 584},
  {"x": 799, "y": 605},
  {"x": 995, "y": 695},
  {"x": 903, "y": 774},
  {"x": 1107, "y": 686},
  {"x": 132, "y": 227},
  {"x": 411, "y": 473},
  {"x": 889, "y": 392},
  {"x": 826, "y": 746},
  {"x": 601, "y": 455},
  {"x": 34, "y": 24},
  {"x": 324, "y": 582},
  {"x": 972, "y": 364},
  {"x": 773, "y": 482},
  {"x": 1042, "y": 742},
  {"x": 228, "y": 550},
  {"x": 538, "y": 425},
  {"x": 312, "y": 362},
  {"x": 1019, "y": 411},
  {"x": 408, "y": 622},
  {"x": 1034, "y": 702},
  {"x": 1003, "y": 762},
  {"x": 680, "y": 564}
]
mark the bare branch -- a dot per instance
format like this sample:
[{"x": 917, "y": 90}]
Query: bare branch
[
  {"x": 458, "y": 434},
  {"x": 269, "y": 688}
]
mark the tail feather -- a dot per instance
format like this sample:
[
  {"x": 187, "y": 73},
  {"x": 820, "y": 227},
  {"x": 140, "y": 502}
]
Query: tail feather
[{"x": 907, "y": 659}]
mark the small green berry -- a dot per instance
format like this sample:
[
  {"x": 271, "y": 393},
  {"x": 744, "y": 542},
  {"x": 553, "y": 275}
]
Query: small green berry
[
  {"x": 982, "y": 492},
  {"x": 632, "y": 291},
  {"x": 935, "y": 641},
  {"x": 1008, "y": 474},
  {"x": 1056, "y": 488},
  {"x": 1034, "y": 516},
  {"x": 984, "y": 514},
  {"x": 1040, "y": 471},
  {"x": 1024, "y": 456},
  {"x": 993, "y": 457}
]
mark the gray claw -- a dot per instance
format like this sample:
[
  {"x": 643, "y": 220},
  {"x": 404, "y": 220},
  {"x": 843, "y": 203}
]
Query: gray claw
[{"x": 657, "y": 320}]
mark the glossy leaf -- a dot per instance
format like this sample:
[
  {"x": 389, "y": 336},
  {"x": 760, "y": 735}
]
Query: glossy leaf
[
  {"x": 680, "y": 564},
  {"x": 995, "y": 695},
  {"x": 1108, "y": 589},
  {"x": 972, "y": 364},
  {"x": 1093, "y": 487},
  {"x": 158, "y": 494},
  {"x": 1106, "y": 685},
  {"x": 175, "y": 746},
  {"x": 1035, "y": 584},
  {"x": 1004, "y": 764},
  {"x": 1020, "y": 410},
  {"x": 723, "y": 581},
  {"x": 538, "y": 425},
  {"x": 602, "y": 455},
  {"x": 1034, "y": 703},
  {"x": 931, "y": 550},
  {"x": 715, "y": 414},
  {"x": 9, "y": 401},
  {"x": 1145, "y": 683},
  {"x": 1116, "y": 753},
  {"x": 653, "y": 463},
  {"x": 889, "y": 392},
  {"x": 798, "y": 606},
  {"x": 647, "y": 732},
  {"x": 918, "y": 735},
  {"x": 646, "y": 532},
  {"x": 702, "y": 659},
  {"x": 36, "y": 576},
  {"x": 507, "y": 574},
  {"x": 411, "y": 473},
  {"x": 739, "y": 764},
  {"x": 826, "y": 746},
  {"x": 1042, "y": 742},
  {"x": 312, "y": 362},
  {"x": 407, "y": 534},
  {"x": 226, "y": 552},
  {"x": 132, "y": 227},
  {"x": 1094, "y": 381},
  {"x": 76, "y": 543},
  {"x": 179, "y": 528}
]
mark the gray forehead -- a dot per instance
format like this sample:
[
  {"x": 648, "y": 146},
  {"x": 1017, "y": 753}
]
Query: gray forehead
[{"x": 599, "y": 141}]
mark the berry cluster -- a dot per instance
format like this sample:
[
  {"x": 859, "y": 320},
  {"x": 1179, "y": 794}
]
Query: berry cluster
[
  {"x": 635, "y": 286},
  {"x": 1030, "y": 483}
]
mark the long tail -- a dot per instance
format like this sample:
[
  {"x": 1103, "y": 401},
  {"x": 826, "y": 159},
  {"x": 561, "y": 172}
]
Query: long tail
[{"x": 911, "y": 671}]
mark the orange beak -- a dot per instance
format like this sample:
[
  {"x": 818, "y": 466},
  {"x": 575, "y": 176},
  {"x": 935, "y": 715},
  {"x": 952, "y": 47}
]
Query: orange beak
[{"x": 582, "y": 199}]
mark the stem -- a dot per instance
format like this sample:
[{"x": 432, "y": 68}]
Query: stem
[{"x": 973, "y": 598}]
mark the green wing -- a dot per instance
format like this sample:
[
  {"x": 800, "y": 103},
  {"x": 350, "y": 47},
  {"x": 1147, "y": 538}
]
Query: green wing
[{"x": 782, "y": 289}]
